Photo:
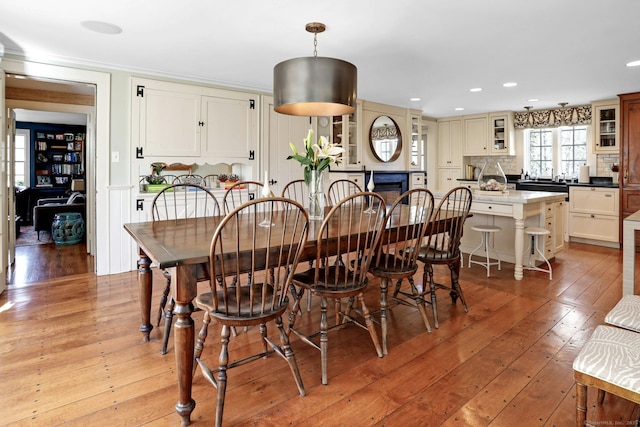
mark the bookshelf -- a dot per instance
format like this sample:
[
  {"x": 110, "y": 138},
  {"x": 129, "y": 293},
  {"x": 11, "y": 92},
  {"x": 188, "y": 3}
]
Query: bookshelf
[{"x": 59, "y": 158}]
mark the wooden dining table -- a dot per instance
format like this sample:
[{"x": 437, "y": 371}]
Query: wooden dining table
[{"x": 179, "y": 246}]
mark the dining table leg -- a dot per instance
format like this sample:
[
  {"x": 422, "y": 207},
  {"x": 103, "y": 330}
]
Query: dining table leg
[
  {"x": 184, "y": 289},
  {"x": 145, "y": 286}
]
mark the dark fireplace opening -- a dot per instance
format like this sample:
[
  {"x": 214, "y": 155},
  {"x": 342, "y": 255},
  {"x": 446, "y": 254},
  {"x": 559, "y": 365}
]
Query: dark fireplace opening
[{"x": 390, "y": 185}]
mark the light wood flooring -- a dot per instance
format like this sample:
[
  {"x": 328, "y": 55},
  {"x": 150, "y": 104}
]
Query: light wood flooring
[{"x": 71, "y": 353}]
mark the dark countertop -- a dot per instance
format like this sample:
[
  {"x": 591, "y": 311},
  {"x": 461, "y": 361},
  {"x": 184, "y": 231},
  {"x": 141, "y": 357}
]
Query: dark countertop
[{"x": 600, "y": 182}]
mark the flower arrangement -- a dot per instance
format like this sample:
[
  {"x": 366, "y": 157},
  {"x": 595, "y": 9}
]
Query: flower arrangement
[
  {"x": 155, "y": 177},
  {"x": 318, "y": 156}
]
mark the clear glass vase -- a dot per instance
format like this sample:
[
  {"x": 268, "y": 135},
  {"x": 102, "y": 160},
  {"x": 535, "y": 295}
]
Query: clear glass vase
[
  {"x": 316, "y": 196},
  {"x": 492, "y": 177}
]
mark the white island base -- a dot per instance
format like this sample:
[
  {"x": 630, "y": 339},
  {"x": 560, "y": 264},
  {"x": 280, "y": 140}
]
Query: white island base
[{"x": 513, "y": 212}]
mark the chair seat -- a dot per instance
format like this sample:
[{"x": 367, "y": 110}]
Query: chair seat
[
  {"x": 435, "y": 256},
  {"x": 626, "y": 313},
  {"x": 389, "y": 265},
  {"x": 612, "y": 355},
  {"x": 205, "y": 302},
  {"x": 327, "y": 278}
]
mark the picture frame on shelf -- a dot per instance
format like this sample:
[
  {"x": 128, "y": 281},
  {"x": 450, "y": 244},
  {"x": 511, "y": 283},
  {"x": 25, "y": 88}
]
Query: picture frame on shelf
[{"x": 43, "y": 181}]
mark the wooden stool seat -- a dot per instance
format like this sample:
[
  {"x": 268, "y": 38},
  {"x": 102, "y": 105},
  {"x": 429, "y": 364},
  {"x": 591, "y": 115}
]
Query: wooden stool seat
[
  {"x": 609, "y": 361},
  {"x": 485, "y": 230}
]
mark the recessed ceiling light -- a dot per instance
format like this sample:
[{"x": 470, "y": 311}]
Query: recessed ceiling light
[
  {"x": 475, "y": 89},
  {"x": 633, "y": 63},
  {"x": 533, "y": 100},
  {"x": 414, "y": 99},
  {"x": 510, "y": 84},
  {"x": 101, "y": 27},
  {"x": 459, "y": 109}
]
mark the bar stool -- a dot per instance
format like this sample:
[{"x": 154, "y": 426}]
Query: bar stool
[
  {"x": 534, "y": 246},
  {"x": 486, "y": 230}
]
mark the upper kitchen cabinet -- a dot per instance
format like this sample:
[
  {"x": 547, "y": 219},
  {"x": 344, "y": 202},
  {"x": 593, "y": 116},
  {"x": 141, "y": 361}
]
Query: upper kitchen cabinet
[
  {"x": 475, "y": 130},
  {"x": 450, "y": 142},
  {"x": 501, "y": 134},
  {"x": 174, "y": 121},
  {"x": 488, "y": 134},
  {"x": 606, "y": 116},
  {"x": 417, "y": 151},
  {"x": 165, "y": 121},
  {"x": 229, "y": 126},
  {"x": 345, "y": 133}
]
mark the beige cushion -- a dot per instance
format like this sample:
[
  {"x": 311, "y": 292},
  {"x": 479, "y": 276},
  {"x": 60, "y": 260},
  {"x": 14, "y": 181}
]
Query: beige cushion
[
  {"x": 612, "y": 355},
  {"x": 626, "y": 313}
]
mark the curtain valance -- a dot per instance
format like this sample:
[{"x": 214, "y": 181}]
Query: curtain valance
[{"x": 566, "y": 116}]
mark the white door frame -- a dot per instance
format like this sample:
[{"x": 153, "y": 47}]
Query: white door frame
[
  {"x": 4, "y": 253},
  {"x": 97, "y": 181}
]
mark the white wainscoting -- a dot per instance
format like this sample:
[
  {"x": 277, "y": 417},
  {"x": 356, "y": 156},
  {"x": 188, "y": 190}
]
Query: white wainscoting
[{"x": 123, "y": 250}]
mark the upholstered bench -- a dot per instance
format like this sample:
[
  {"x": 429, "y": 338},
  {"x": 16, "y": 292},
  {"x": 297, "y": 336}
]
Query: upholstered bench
[
  {"x": 610, "y": 362},
  {"x": 626, "y": 313}
]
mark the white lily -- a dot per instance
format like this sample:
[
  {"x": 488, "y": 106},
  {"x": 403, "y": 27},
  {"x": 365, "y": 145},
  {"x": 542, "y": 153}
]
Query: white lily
[{"x": 325, "y": 150}]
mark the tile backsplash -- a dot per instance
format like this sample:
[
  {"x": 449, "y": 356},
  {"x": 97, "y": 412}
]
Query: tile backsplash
[
  {"x": 507, "y": 163},
  {"x": 604, "y": 162},
  {"x": 510, "y": 166}
]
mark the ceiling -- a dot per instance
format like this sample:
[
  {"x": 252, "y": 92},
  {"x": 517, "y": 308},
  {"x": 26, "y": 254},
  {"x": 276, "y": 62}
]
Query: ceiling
[{"x": 571, "y": 51}]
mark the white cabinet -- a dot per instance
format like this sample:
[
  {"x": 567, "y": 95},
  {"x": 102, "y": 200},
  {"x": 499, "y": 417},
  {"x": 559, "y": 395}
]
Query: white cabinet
[
  {"x": 559, "y": 216},
  {"x": 448, "y": 178},
  {"x": 488, "y": 134},
  {"x": 416, "y": 153},
  {"x": 449, "y": 153},
  {"x": 171, "y": 121},
  {"x": 345, "y": 133},
  {"x": 593, "y": 214},
  {"x": 606, "y": 116},
  {"x": 472, "y": 185},
  {"x": 501, "y": 134},
  {"x": 417, "y": 180},
  {"x": 229, "y": 125},
  {"x": 165, "y": 121},
  {"x": 476, "y": 135},
  {"x": 450, "y": 142}
]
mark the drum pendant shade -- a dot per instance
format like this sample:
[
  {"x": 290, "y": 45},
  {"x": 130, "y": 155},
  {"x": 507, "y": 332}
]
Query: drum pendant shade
[{"x": 315, "y": 86}]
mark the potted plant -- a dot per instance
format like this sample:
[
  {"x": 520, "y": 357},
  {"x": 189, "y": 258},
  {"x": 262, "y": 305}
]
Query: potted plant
[{"x": 155, "y": 181}]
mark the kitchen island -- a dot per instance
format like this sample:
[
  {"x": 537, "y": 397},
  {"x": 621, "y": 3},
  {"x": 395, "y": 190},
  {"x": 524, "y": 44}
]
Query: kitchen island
[{"x": 513, "y": 211}]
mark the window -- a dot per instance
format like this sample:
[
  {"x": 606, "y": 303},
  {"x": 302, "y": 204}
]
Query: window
[
  {"x": 22, "y": 157},
  {"x": 555, "y": 151},
  {"x": 573, "y": 149}
]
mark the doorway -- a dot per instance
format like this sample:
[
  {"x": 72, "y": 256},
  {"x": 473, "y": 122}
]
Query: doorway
[{"x": 46, "y": 103}]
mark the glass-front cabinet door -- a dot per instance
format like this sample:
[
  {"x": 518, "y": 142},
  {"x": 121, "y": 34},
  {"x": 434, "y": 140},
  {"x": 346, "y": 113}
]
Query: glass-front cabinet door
[
  {"x": 605, "y": 119},
  {"x": 501, "y": 134},
  {"x": 416, "y": 160},
  {"x": 345, "y": 133}
]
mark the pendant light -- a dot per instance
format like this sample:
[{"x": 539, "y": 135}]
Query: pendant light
[{"x": 314, "y": 86}]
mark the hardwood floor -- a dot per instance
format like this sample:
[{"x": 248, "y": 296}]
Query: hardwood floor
[{"x": 71, "y": 353}]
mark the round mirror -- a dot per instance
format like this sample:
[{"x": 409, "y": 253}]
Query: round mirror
[{"x": 385, "y": 139}]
